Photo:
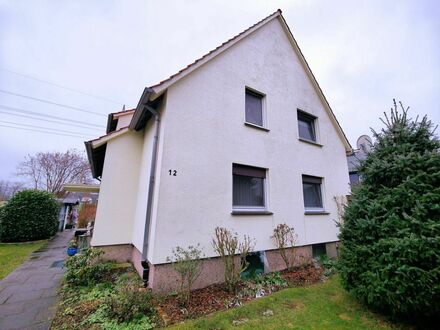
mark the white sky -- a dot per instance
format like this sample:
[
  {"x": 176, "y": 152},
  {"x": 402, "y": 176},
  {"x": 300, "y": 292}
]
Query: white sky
[{"x": 363, "y": 54}]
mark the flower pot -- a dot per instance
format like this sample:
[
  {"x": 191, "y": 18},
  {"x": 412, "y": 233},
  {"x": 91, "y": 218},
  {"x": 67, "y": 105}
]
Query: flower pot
[{"x": 71, "y": 251}]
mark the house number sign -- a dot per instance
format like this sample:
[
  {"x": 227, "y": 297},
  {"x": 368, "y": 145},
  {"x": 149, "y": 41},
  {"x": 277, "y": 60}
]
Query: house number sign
[{"x": 172, "y": 172}]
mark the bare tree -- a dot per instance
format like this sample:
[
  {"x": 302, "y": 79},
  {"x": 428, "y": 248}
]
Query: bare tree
[
  {"x": 50, "y": 170},
  {"x": 9, "y": 188}
]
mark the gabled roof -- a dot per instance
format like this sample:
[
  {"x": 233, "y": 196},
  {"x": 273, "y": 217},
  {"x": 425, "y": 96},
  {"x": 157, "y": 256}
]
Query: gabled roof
[
  {"x": 96, "y": 150},
  {"x": 112, "y": 119},
  {"x": 153, "y": 92},
  {"x": 159, "y": 87}
]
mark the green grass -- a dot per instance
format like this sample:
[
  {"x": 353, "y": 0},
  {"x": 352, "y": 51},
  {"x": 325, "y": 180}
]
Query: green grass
[
  {"x": 13, "y": 255},
  {"x": 320, "y": 306}
]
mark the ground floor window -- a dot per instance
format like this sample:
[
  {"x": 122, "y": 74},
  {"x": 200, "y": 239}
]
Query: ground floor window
[
  {"x": 248, "y": 187},
  {"x": 312, "y": 192}
]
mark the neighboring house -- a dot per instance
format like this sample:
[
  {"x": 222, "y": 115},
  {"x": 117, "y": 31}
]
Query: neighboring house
[
  {"x": 243, "y": 138},
  {"x": 75, "y": 195},
  {"x": 364, "y": 145}
]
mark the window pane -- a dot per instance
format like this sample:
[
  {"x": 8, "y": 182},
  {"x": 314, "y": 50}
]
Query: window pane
[
  {"x": 312, "y": 195},
  {"x": 254, "y": 108},
  {"x": 306, "y": 127},
  {"x": 248, "y": 191}
]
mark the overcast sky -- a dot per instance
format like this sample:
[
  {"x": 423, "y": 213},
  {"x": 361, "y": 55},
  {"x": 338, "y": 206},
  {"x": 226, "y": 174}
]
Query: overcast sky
[{"x": 363, "y": 54}]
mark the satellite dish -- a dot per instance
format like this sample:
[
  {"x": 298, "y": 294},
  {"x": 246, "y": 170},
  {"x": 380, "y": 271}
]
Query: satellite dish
[{"x": 364, "y": 143}]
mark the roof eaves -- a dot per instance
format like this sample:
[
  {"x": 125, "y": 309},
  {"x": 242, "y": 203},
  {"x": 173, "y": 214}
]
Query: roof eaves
[{"x": 137, "y": 116}]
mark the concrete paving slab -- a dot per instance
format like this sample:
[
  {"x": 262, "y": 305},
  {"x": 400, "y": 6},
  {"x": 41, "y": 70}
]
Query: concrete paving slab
[{"x": 29, "y": 295}]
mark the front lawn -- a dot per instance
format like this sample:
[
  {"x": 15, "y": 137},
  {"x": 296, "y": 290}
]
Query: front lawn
[
  {"x": 13, "y": 255},
  {"x": 319, "y": 306}
]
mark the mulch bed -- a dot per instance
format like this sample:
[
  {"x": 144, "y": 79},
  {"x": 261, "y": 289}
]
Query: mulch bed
[
  {"x": 303, "y": 276},
  {"x": 216, "y": 298}
]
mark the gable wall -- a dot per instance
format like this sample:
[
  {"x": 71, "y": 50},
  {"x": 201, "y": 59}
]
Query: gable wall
[
  {"x": 206, "y": 133},
  {"x": 119, "y": 185}
]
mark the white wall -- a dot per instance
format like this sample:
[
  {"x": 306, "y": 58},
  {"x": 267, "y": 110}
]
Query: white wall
[
  {"x": 119, "y": 189},
  {"x": 124, "y": 120},
  {"x": 205, "y": 134},
  {"x": 144, "y": 181}
]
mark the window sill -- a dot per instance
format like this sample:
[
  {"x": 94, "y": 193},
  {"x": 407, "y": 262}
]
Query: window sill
[
  {"x": 316, "y": 213},
  {"x": 310, "y": 142},
  {"x": 250, "y": 212},
  {"x": 257, "y": 126}
]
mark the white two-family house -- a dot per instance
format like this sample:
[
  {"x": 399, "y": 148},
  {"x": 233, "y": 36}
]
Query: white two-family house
[{"x": 243, "y": 138}]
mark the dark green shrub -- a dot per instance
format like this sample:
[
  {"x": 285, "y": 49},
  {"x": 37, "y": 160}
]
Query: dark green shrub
[
  {"x": 130, "y": 302},
  {"x": 87, "y": 268},
  {"x": 28, "y": 216},
  {"x": 390, "y": 253}
]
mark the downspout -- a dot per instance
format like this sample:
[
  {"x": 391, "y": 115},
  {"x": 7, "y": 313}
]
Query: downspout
[{"x": 144, "y": 262}]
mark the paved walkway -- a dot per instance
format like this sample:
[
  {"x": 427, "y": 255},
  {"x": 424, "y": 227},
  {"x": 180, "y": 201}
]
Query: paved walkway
[{"x": 29, "y": 295}]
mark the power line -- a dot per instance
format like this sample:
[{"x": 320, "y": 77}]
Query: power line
[
  {"x": 47, "y": 116},
  {"x": 52, "y": 103},
  {"x": 63, "y": 87},
  {"x": 40, "y": 131},
  {"x": 48, "y": 128},
  {"x": 48, "y": 120}
]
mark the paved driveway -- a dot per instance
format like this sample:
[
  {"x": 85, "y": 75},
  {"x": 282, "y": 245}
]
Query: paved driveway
[{"x": 29, "y": 295}]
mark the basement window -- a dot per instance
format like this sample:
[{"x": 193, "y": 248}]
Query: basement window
[
  {"x": 256, "y": 265},
  {"x": 319, "y": 250}
]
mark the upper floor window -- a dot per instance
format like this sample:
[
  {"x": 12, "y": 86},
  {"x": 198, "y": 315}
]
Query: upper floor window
[
  {"x": 306, "y": 126},
  {"x": 254, "y": 107},
  {"x": 312, "y": 193},
  {"x": 248, "y": 187}
]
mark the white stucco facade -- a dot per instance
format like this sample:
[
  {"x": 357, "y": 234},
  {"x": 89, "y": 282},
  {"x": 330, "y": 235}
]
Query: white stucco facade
[
  {"x": 117, "y": 197},
  {"x": 203, "y": 133}
]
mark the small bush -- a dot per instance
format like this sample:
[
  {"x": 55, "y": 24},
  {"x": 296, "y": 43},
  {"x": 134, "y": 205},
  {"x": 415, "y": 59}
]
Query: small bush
[
  {"x": 285, "y": 239},
  {"x": 187, "y": 263},
  {"x": 274, "y": 278},
  {"x": 87, "y": 268},
  {"x": 226, "y": 244},
  {"x": 130, "y": 302},
  {"x": 329, "y": 265},
  {"x": 28, "y": 216}
]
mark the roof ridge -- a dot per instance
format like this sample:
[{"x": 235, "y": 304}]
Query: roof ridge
[{"x": 122, "y": 111}]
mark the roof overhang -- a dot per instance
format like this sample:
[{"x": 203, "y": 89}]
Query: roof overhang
[
  {"x": 96, "y": 150},
  {"x": 84, "y": 188},
  {"x": 141, "y": 115}
]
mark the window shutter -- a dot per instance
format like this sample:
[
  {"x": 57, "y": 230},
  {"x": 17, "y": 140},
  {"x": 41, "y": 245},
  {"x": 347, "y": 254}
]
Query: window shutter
[
  {"x": 244, "y": 170},
  {"x": 311, "y": 179}
]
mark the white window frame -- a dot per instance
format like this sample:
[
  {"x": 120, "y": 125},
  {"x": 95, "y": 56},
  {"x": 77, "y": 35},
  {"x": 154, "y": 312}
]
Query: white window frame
[
  {"x": 265, "y": 193},
  {"x": 322, "y": 190},
  {"x": 263, "y": 107},
  {"x": 315, "y": 127}
]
